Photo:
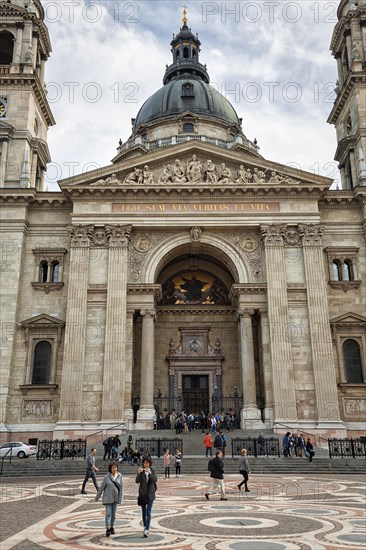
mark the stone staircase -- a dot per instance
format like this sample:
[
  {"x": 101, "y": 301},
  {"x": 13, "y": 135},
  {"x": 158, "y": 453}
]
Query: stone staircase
[{"x": 194, "y": 461}]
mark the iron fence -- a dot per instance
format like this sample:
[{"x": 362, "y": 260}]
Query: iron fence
[
  {"x": 157, "y": 446},
  {"x": 59, "y": 449},
  {"x": 269, "y": 446},
  {"x": 347, "y": 448}
]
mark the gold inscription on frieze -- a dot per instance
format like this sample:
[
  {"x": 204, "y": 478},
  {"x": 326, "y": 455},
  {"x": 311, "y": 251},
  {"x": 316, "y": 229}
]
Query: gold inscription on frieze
[{"x": 192, "y": 208}]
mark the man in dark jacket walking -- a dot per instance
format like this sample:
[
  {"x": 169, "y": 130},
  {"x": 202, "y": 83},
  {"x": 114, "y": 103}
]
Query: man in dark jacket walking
[{"x": 217, "y": 474}]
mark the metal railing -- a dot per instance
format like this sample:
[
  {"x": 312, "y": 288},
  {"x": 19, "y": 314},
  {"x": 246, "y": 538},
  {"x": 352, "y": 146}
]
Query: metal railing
[
  {"x": 269, "y": 446},
  {"x": 59, "y": 449},
  {"x": 157, "y": 446},
  {"x": 104, "y": 431},
  {"x": 10, "y": 453},
  {"x": 347, "y": 448}
]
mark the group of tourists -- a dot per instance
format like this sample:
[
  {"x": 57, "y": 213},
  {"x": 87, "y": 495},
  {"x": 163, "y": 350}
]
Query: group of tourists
[
  {"x": 294, "y": 445},
  {"x": 185, "y": 422}
]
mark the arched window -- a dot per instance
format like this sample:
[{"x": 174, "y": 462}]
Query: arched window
[
  {"x": 352, "y": 361},
  {"x": 6, "y": 47},
  {"x": 336, "y": 270},
  {"x": 188, "y": 127},
  {"x": 42, "y": 363},
  {"x": 55, "y": 272},
  {"x": 194, "y": 52},
  {"x": 347, "y": 271},
  {"x": 177, "y": 54},
  {"x": 43, "y": 272},
  {"x": 185, "y": 53}
]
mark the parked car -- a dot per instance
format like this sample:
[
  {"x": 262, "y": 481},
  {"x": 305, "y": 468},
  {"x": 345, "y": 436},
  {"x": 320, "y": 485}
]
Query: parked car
[{"x": 19, "y": 449}]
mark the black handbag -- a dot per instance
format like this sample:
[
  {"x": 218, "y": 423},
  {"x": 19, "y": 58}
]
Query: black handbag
[{"x": 142, "y": 500}]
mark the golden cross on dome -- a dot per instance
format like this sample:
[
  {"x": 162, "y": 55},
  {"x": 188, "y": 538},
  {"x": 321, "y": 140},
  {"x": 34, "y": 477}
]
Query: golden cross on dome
[{"x": 185, "y": 20}]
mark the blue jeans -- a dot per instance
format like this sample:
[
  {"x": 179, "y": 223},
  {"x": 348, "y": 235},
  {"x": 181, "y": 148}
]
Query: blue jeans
[
  {"x": 146, "y": 513},
  {"x": 88, "y": 474},
  {"x": 110, "y": 514}
]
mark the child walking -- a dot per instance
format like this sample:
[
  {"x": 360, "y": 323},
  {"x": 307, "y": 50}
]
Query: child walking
[{"x": 167, "y": 460}]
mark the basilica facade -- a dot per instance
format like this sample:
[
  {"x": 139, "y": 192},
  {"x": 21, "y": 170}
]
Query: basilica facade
[{"x": 189, "y": 274}]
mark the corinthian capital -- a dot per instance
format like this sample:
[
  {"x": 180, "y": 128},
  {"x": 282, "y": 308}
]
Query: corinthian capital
[
  {"x": 311, "y": 234},
  {"x": 119, "y": 235},
  {"x": 80, "y": 235},
  {"x": 272, "y": 234}
]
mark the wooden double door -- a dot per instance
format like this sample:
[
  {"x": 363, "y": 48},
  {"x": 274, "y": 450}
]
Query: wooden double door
[{"x": 195, "y": 393}]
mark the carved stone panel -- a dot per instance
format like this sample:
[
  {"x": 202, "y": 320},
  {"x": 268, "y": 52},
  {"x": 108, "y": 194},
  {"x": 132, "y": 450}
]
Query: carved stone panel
[{"x": 37, "y": 410}]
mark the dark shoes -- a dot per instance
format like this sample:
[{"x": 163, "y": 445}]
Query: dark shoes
[
  {"x": 247, "y": 490},
  {"x": 223, "y": 499},
  {"x": 83, "y": 493},
  {"x": 112, "y": 531},
  {"x": 108, "y": 533},
  {"x": 207, "y": 496},
  {"x": 239, "y": 487}
]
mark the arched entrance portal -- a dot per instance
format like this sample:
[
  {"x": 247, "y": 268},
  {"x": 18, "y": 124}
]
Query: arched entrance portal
[
  {"x": 193, "y": 342},
  {"x": 197, "y": 368}
]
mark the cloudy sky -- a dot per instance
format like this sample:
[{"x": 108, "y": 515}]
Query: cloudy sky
[{"x": 271, "y": 59}]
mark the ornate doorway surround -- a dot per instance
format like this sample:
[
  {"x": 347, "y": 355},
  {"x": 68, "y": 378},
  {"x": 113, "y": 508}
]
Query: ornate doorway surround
[{"x": 194, "y": 356}]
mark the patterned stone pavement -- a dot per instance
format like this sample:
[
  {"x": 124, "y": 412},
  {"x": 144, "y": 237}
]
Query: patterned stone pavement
[{"x": 288, "y": 513}]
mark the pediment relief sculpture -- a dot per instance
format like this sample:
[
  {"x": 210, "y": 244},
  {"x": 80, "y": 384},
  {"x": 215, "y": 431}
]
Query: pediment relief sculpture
[{"x": 195, "y": 171}]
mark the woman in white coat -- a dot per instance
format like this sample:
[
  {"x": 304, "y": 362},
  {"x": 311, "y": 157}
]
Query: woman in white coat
[{"x": 112, "y": 490}]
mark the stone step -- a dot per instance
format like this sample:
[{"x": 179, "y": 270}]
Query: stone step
[{"x": 191, "y": 465}]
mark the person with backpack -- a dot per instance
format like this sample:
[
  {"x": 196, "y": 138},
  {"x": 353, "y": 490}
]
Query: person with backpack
[
  {"x": 216, "y": 467},
  {"x": 218, "y": 443},
  {"x": 107, "y": 444},
  {"x": 310, "y": 450}
]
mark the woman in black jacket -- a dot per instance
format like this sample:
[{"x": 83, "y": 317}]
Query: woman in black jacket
[{"x": 147, "y": 479}]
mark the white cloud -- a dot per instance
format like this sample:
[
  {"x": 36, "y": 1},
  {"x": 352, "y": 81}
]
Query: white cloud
[{"x": 124, "y": 53}]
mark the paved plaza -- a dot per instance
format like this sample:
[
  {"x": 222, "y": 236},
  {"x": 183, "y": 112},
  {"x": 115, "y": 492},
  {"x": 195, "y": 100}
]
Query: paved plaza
[{"x": 292, "y": 513}]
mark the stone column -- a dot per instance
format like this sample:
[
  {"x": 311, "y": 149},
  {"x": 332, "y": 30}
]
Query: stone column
[
  {"x": 18, "y": 44},
  {"x": 250, "y": 414},
  {"x": 4, "y": 158},
  {"x": 340, "y": 69},
  {"x": 363, "y": 33},
  {"x": 74, "y": 347},
  {"x": 320, "y": 332},
  {"x": 347, "y": 34},
  {"x": 115, "y": 334},
  {"x": 35, "y": 37},
  {"x": 353, "y": 167},
  {"x": 284, "y": 400},
  {"x": 146, "y": 411},
  {"x": 267, "y": 368},
  {"x": 128, "y": 413}
]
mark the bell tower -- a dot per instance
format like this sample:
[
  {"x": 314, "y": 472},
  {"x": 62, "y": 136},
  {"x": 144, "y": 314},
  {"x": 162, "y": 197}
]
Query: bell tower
[
  {"x": 25, "y": 114},
  {"x": 185, "y": 50},
  {"x": 349, "y": 111}
]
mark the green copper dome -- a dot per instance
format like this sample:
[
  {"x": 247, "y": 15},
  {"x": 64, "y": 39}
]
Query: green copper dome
[
  {"x": 187, "y": 93},
  {"x": 186, "y": 87}
]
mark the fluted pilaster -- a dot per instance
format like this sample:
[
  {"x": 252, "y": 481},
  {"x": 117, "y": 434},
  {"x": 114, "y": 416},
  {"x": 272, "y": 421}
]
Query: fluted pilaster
[
  {"x": 114, "y": 371},
  {"x": 320, "y": 333},
  {"x": 74, "y": 347},
  {"x": 278, "y": 317}
]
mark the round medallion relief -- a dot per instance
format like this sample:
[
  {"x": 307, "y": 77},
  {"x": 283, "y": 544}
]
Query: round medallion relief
[
  {"x": 195, "y": 345},
  {"x": 142, "y": 244}
]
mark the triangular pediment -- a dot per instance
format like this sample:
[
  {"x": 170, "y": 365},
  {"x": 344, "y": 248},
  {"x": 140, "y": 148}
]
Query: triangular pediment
[
  {"x": 42, "y": 320},
  {"x": 348, "y": 318},
  {"x": 156, "y": 169}
]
